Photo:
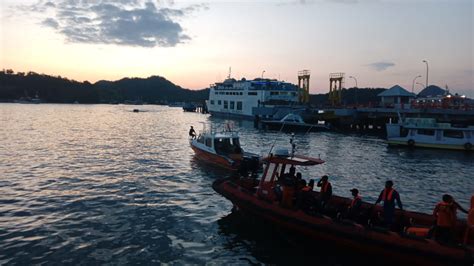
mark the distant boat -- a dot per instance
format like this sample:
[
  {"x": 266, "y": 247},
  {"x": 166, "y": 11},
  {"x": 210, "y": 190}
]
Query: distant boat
[
  {"x": 427, "y": 133},
  {"x": 293, "y": 122},
  {"x": 189, "y": 107}
]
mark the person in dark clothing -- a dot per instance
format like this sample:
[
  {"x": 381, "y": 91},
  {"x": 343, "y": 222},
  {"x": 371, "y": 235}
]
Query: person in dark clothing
[
  {"x": 192, "y": 132},
  {"x": 326, "y": 191},
  {"x": 389, "y": 195}
]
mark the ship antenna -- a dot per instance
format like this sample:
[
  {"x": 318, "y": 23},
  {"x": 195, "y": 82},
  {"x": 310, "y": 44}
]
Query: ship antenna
[{"x": 230, "y": 72}]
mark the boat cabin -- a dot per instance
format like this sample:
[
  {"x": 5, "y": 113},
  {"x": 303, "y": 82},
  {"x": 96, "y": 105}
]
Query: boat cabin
[
  {"x": 221, "y": 143},
  {"x": 275, "y": 168}
]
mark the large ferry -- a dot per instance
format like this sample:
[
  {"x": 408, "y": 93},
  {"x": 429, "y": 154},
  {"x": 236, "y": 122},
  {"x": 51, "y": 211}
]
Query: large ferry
[{"x": 239, "y": 97}]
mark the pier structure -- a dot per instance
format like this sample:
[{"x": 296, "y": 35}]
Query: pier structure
[
  {"x": 336, "y": 83},
  {"x": 303, "y": 85}
]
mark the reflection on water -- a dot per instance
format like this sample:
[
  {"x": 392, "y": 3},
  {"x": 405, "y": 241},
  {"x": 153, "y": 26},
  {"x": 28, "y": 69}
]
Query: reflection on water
[{"x": 99, "y": 183}]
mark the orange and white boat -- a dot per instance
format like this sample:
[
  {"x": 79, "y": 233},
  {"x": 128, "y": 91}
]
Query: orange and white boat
[{"x": 223, "y": 149}]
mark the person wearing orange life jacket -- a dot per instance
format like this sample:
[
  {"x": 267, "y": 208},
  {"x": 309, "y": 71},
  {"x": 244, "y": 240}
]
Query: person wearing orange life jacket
[
  {"x": 446, "y": 219},
  {"x": 326, "y": 191},
  {"x": 354, "y": 208},
  {"x": 389, "y": 196}
]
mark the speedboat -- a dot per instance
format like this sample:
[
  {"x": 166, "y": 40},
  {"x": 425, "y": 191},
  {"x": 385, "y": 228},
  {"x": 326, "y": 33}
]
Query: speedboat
[
  {"x": 223, "y": 149},
  {"x": 427, "y": 133},
  {"x": 293, "y": 122},
  {"x": 271, "y": 200}
]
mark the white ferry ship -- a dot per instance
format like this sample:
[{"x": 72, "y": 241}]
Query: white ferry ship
[
  {"x": 426, "y": 132},
  {"x": 239, "y": 97}
]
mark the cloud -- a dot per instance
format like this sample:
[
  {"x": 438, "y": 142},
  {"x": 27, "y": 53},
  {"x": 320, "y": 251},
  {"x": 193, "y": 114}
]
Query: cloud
[
  {"x": 381, "y": 66},
  {"x": 50, "y": 22},
  {"x": 121, "y": 22}
]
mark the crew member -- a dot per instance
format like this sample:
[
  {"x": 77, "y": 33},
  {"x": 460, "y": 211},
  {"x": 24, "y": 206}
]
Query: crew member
[
  {"x": 326, "y": 191},
  {"x": 192, "y": 132},
  {"x": 445, "y": 215},
  {"x": 389, "y": 196},
  {"x": 354, "y": 207}
]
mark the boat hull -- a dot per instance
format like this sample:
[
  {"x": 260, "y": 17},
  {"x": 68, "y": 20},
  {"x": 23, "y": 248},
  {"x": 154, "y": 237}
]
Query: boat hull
[
  {"x": 288, "y": 126},
  {"x": 354, "y": 238},
  {"x": 215, "y": 159},
  {"x": 427, "y": 145}
]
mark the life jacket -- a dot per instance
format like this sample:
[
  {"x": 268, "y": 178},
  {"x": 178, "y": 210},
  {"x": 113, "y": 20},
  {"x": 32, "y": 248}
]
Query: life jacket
[
  {"x": 445, "y": 215},
  {"x": 325, "y": 187},
  {"x": 353, "y": 202},
  {"x": 307, "y": 188},
  {"x": 387, "y": 196}
]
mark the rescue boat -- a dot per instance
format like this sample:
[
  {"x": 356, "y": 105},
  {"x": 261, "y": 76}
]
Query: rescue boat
[
  {"x": 405, "y": 242},
  {"x": 223, "y": 149}
]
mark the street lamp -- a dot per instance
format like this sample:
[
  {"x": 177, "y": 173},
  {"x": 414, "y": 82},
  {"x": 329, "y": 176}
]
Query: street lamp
[
  {"x": 426, "y": 62},
  {"x": 355, "y": 93},
  {"x": 413, "y": 84}
]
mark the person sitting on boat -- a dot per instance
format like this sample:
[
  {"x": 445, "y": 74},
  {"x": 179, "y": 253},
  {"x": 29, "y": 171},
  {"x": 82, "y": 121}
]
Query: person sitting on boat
[
  {"x": 353, "y": 210},
  {"x": 389, "y": 195},
  {"x": 445, "y": 215},
  {"x": 326, "y": 191},
  {"x": 192, "y": 132}
]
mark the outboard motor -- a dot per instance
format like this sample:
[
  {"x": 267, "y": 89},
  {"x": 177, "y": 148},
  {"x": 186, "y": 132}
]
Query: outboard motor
[{"x": 249, "y": 164}]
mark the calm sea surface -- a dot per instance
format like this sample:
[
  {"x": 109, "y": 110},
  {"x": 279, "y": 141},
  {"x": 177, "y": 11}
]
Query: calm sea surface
[{"x": 93, "y": 184}]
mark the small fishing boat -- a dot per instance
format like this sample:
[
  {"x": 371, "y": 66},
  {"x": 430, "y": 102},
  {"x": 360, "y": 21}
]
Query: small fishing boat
[
  {"x": 274, "y": 202},
  {"x": 427, "y": 133},
  {"x": 293, "y": 122},
  {"x": 223, "y": 149}
]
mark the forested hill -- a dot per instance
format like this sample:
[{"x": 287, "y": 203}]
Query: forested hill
[{"x": 57, "y": 89}]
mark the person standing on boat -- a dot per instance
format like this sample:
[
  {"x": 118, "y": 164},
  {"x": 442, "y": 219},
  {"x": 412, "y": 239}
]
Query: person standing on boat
[
  {"x": 354, "y": 208},
  {"x": 192, "y": 132},
  {"x": 326, "y": 191},
  {"x": 389, "y": 195},
  {"x": 446, "y": 218}
]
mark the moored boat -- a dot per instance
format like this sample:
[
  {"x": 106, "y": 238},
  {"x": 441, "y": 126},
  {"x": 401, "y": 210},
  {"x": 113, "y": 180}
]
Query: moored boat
[
  {"x": 293, "y": 122},
  {"x": 223, "y": 149},
  {"x": 259, "y": 198},
  {"x": 427, "y": 133}
]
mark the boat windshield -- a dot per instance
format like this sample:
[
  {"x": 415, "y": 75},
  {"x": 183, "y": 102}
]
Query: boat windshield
[{"x": 227, "y": 145}]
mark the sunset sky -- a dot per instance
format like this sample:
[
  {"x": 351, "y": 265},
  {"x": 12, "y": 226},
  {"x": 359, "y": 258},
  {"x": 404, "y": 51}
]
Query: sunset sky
[{"x": 193, "y": 43}]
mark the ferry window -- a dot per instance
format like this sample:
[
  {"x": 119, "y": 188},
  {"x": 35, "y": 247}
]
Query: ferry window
[
  {"x": 209, "y": 142},
  {"x": 212, "y": 101},
  {"x": 457, "y": 134},
  {"x": 239, "y": 105},
  {"x": 226, "y": 93},
  {"x": 241, "y": 93},
  {"x": 274, "y": 93},
  {"x": 252, "y": 93},
  {"x": 293, "y": 94},
  {"x": 226, "y": 105},
  {"x": 216, "y": 92},
  {"x": 219, "y": 102},
  {"x": 232, "y": 105},
  {"x": 427, "y": 132}
]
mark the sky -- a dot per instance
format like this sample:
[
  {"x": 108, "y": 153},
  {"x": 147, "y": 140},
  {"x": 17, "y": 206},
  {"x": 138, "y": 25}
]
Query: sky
[{"x": 193, "y": 43}]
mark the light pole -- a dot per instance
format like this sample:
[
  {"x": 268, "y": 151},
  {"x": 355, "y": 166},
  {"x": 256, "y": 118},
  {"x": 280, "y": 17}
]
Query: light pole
[
  {"x": 413, "y": 84},
  {"x": 355, "y": 93},
  {"x": 426, "y": 62}
]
